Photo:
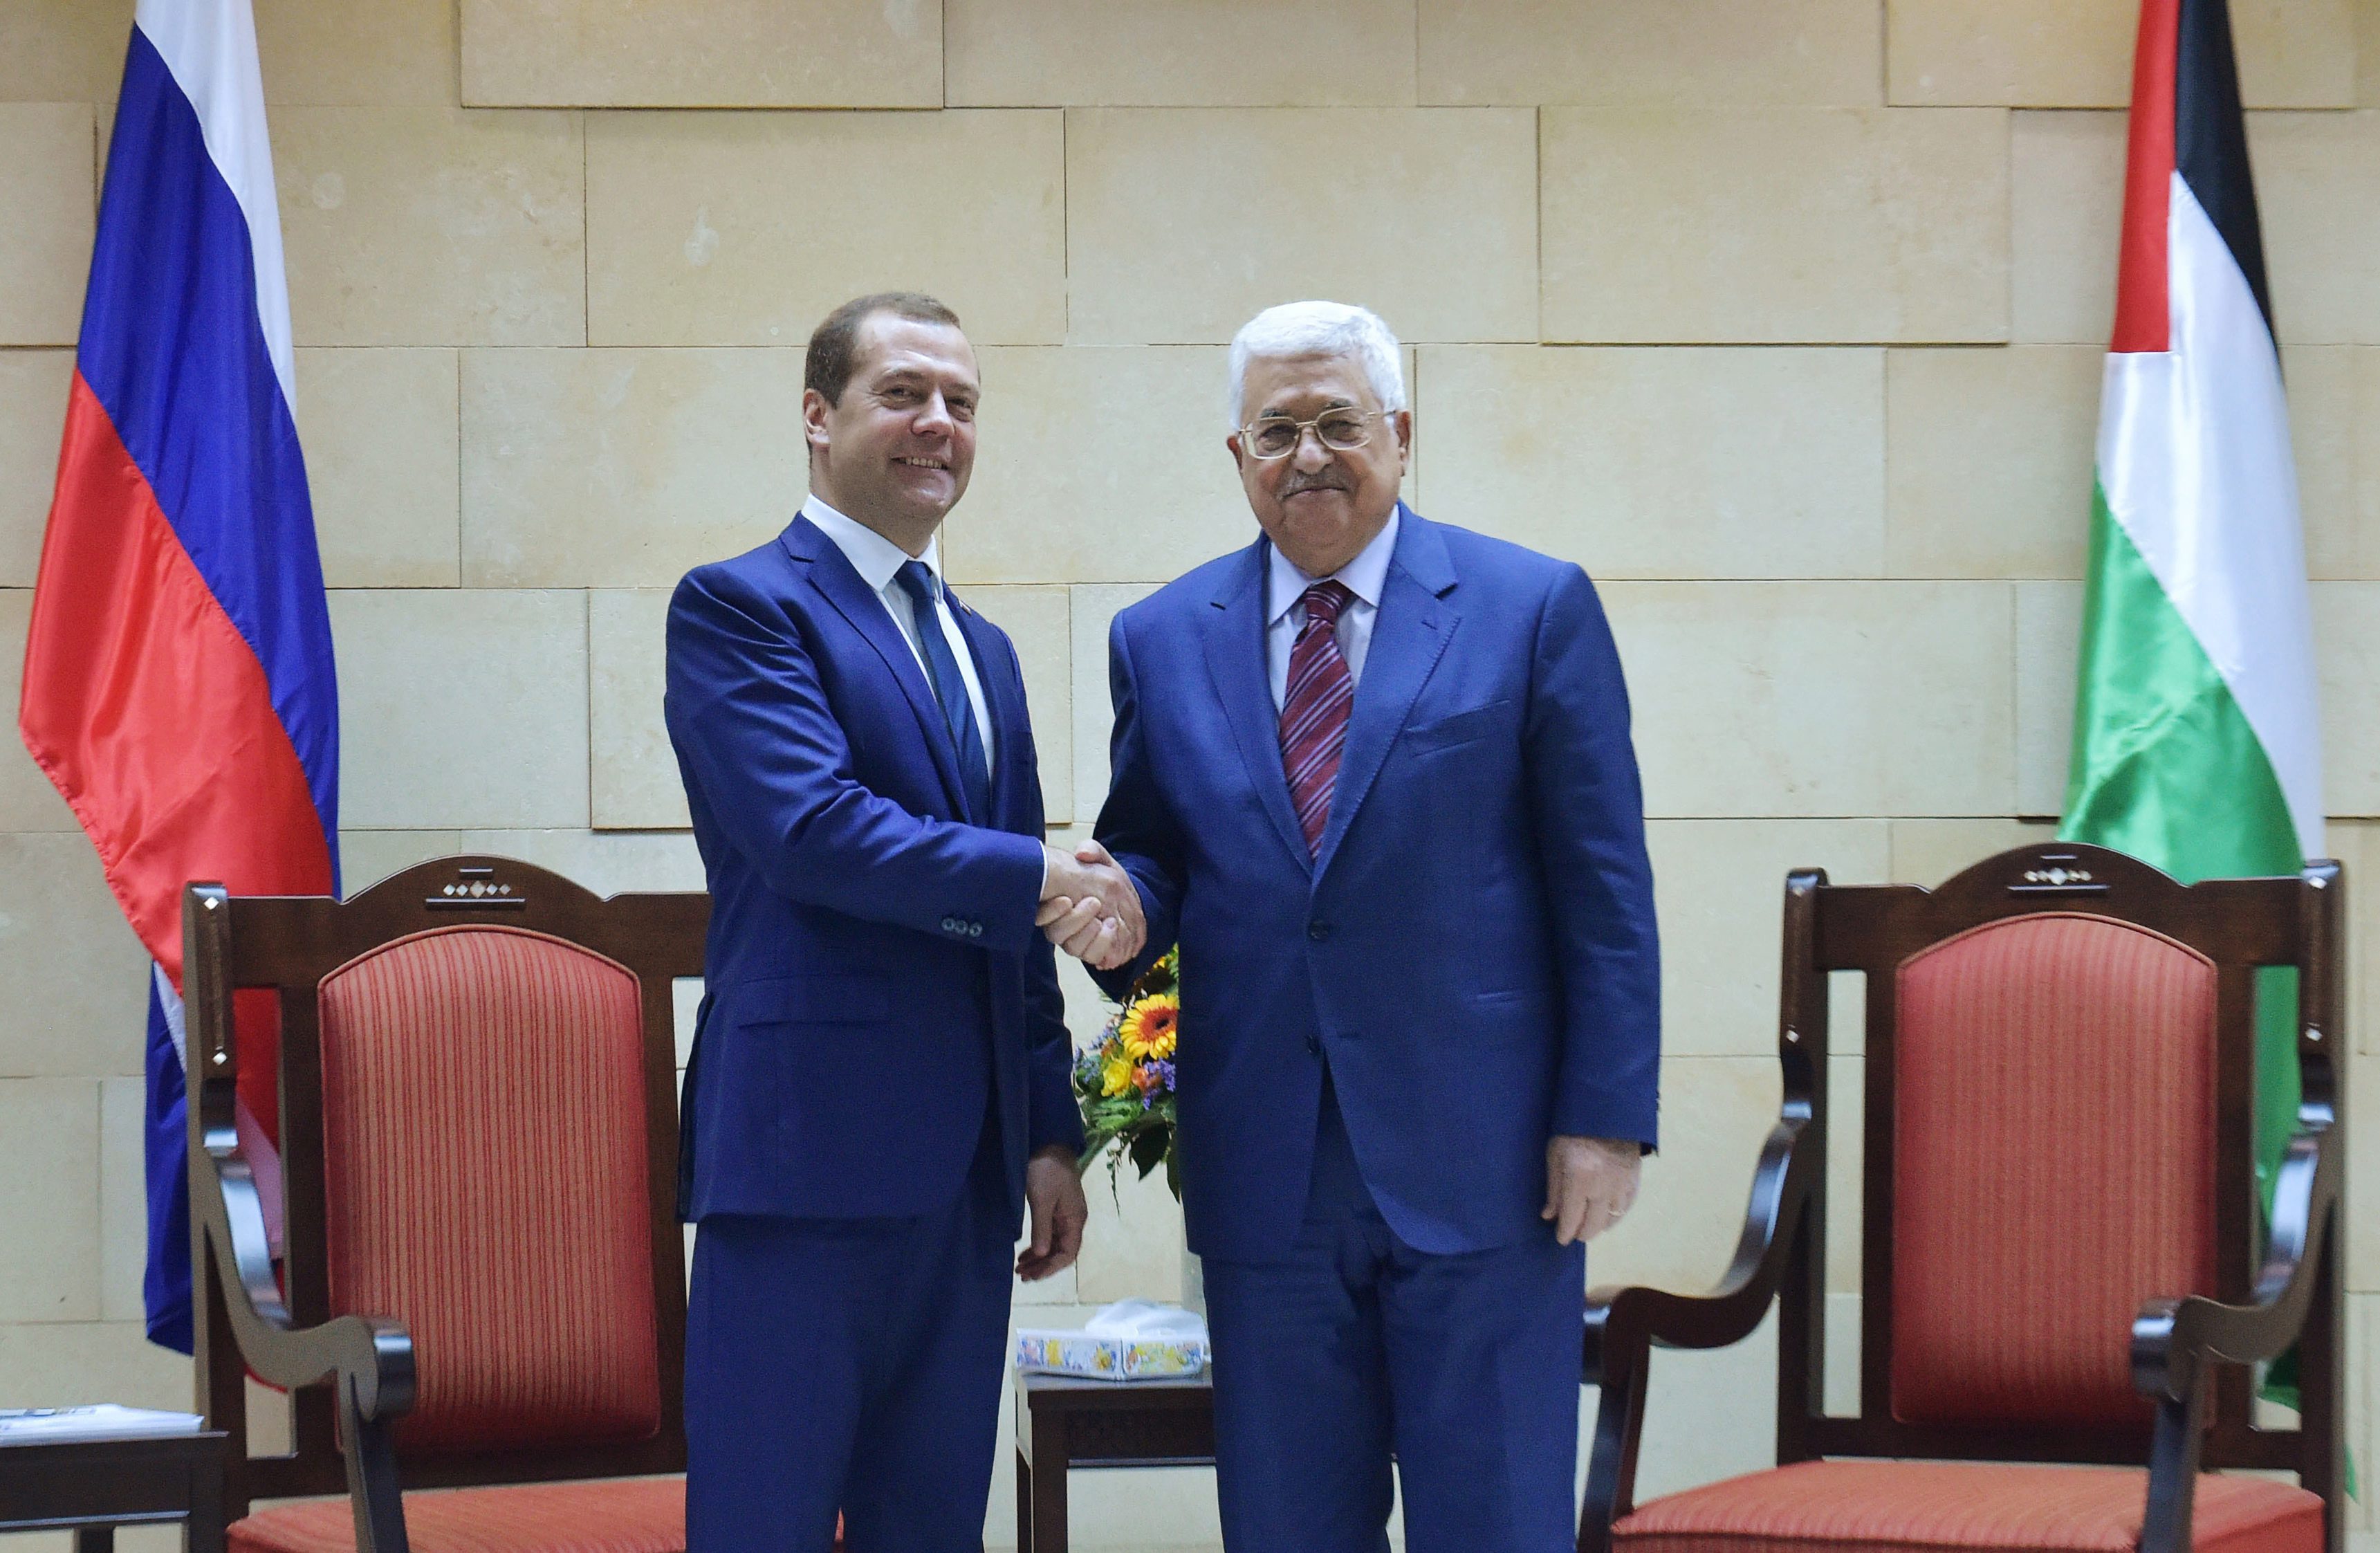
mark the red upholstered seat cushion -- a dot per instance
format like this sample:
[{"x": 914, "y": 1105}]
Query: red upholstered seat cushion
[
  {"x": 487, "y": 1184},
  {"x": 2053, "y": 1165},
  {"x": 1926, "y": 1507},
  {"x": 632, "y": 1515}
]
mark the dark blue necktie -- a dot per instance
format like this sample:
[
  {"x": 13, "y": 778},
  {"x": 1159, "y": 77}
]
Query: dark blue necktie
[{"x": 949, "y": 687}]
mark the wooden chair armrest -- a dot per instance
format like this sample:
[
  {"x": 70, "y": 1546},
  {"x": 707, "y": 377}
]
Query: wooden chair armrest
[
  {"x": 372, "y": 1355},
  {"x": 1623, "y": 1324},
  {"x": 2173, "y": 1339},
  {"x": 1622, "y": 1321}
]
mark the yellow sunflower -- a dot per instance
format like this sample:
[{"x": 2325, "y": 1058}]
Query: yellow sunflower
[{"x": 1149, "y": 1029}]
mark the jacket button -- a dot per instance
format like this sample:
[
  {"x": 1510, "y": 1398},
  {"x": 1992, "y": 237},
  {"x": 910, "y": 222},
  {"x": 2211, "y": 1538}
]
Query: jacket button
[
  {"x": 975, "y": 929},
  {"x": 949, "y": 924},
  {"x": 1319, "y": 931}
]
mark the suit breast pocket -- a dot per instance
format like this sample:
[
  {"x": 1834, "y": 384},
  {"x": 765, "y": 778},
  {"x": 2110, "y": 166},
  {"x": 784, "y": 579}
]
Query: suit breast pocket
[{"x": 1462, "y": 728}]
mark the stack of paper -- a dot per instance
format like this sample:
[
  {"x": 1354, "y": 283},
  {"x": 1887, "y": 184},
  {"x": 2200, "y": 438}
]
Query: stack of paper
[{"x": 45, "y": 1425}]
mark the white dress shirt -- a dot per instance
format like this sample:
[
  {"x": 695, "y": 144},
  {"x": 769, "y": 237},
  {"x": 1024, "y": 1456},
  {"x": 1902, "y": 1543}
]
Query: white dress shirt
[
  {"x": 878, "y": 561},
  {"x": 1285, "y": 607}
]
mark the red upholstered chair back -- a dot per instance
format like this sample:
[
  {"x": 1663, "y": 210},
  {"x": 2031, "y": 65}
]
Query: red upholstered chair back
[
  {"x": 2053, "y": 1164},
  {"x": 484, "y": 1132},
  {"x": 478, "y": 1140},
  {"x": 2053, "y": 1127}
]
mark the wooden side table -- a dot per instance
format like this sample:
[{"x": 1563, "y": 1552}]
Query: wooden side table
[
  {"x": 96, "y": 1486},
  {"x": 1063, "y": 1424}
]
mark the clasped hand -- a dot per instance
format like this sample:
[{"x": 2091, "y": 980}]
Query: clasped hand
[{"x": 1089, "y": 908}]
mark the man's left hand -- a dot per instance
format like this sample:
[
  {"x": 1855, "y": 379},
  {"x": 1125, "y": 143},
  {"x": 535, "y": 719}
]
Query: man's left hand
[
  {"x": 1590, "y": 1185},
  {"x": 1054, "y": 1191}
]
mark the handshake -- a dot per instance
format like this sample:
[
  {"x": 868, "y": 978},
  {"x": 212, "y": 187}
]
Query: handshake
[{"x": 1089, "y": 908}]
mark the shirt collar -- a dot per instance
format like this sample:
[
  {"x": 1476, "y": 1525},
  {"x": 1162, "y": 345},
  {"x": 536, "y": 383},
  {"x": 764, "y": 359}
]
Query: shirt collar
[
  {"x": 1365, "y": 577},
  {"x": 873, "y": 556}
]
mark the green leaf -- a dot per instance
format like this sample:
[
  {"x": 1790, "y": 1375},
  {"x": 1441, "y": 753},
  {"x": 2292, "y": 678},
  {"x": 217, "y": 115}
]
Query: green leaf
[{"x": 1150, "y": 1147}]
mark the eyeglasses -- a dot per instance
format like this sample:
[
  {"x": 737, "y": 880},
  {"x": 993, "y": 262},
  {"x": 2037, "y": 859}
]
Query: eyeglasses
[{"x": 1277, "y": 436}]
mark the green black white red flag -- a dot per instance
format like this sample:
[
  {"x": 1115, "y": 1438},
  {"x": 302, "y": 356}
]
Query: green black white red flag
[{"x": 2196, "y": 746}]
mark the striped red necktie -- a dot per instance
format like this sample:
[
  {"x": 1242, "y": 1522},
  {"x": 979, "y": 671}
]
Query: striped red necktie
[{"x": 1314, "y": 711}]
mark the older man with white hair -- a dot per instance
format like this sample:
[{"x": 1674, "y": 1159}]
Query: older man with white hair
[{"x": 1374, "y": 773}]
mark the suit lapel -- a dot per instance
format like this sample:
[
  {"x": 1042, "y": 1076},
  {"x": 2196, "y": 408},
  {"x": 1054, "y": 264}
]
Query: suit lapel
[
  {"x": 1236, "y": 656},
  {"x": 1003, "y": 698},
  {"x": 831, "y": 573},
  {"x": 1409, "y": 635}
]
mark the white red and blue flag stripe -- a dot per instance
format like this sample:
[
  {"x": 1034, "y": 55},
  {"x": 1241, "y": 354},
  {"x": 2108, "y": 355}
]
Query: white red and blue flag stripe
[{"x": 179, "y": 689}]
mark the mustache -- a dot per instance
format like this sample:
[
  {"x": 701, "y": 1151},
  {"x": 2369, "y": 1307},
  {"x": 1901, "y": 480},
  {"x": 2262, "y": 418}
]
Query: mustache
[{"x": 1321, "y": 480}]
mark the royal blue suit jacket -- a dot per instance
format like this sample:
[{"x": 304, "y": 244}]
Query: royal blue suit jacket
[
  {"x": 874, "y": 984},
  {"x": 1473, "y": 949}
]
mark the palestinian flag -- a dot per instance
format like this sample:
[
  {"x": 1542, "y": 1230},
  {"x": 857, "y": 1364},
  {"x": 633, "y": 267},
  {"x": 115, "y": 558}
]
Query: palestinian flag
[{"x": 2196, "y": 746}]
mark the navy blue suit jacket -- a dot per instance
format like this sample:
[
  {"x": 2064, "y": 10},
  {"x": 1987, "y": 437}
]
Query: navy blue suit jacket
[
  {"x": 874, "y": 984},
  {"x": 1473, "y": 949}
]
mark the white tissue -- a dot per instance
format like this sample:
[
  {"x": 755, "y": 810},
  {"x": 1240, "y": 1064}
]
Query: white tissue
[{"x": 1146, "y": 1321}]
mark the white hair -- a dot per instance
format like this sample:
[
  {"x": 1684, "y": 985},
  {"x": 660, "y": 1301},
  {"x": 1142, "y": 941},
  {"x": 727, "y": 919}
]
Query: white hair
[{"x": 1319, "y": 329}]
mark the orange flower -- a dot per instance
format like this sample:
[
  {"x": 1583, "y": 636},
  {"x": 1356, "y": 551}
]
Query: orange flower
[{"x": 1148, "y": 1026}]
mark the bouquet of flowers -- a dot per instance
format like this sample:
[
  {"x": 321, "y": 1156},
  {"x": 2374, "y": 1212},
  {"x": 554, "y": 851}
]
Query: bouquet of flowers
[{"x": 1125, "y": 1083}]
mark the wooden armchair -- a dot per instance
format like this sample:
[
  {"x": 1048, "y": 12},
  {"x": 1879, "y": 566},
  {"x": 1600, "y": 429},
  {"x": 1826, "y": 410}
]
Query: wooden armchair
[
  {"x": 2059, "y": 1230},
  {"x": 482, "y": 1285}
]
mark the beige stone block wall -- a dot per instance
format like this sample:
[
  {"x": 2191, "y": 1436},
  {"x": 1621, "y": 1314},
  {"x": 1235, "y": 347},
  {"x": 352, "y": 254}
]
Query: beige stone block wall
[
  {"x": 1652, "y": 53},
  {"x": 48, "y": 184},
  {"x": 1719, "y": 888},
  {"x": 745, "y": 228},
  {"x": 1987, "y": 452},
  {"x": 2066, "y": 201},
  {"x": 1048, "y": 503},
  {"x": 1663, "y": 462},
  {"x": 462, "y": 706},
  {"x": 78, "y": 993},
  {"x": 632, "y": 775},
  {"x": 2318, "y": 189},
  {"x": 2048, "y": 623},
  {"x": 380, "y": 433},
  {"x": 623, "y": 469},
  {"x": 27, "y": 802},
  {"x": 1180, "y": 224},
  {"x": 1039, "y": 623},
  {"x": 708, "y": 53},
  {"x": 1784, "y": 318},
  {"x": 1775, "y": 226},
  {"x": 385, "y": 53},
  {"x": 2335, "y": 418},
  {"x": 1227, "y": 53},
  {"x": 2078, "y": 53},
  {"x": 1820, "y": 698},
  {"x": 432, "y": 226},
  {"x": 32, "y": 416}
]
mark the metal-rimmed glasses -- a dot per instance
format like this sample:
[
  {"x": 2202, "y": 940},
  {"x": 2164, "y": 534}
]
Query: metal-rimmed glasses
[{"x": 1342, "y": 431}]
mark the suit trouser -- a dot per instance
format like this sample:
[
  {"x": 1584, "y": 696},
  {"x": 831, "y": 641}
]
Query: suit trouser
[
  {"x": 1466, "y": 1365},
  {"x": 851, "y": 1364}
]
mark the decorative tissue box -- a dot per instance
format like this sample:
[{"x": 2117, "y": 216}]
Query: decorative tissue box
[{"x": 1133, "y": 1339}]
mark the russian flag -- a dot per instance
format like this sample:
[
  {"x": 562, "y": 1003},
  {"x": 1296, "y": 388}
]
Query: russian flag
[{"x": 179, "y": 689}]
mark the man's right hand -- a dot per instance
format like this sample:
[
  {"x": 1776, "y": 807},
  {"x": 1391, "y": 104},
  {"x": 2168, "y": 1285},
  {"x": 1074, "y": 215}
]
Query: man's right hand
[{"x": 1090, "y": 907}]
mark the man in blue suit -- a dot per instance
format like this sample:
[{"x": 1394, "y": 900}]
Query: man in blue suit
[
  {"x": 1374, "y": 773},
  {"x": 880, "y": 1080}
]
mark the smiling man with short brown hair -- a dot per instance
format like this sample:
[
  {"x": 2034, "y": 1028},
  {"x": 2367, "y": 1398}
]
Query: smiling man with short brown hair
[{"x": 880, "y": 1084}]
